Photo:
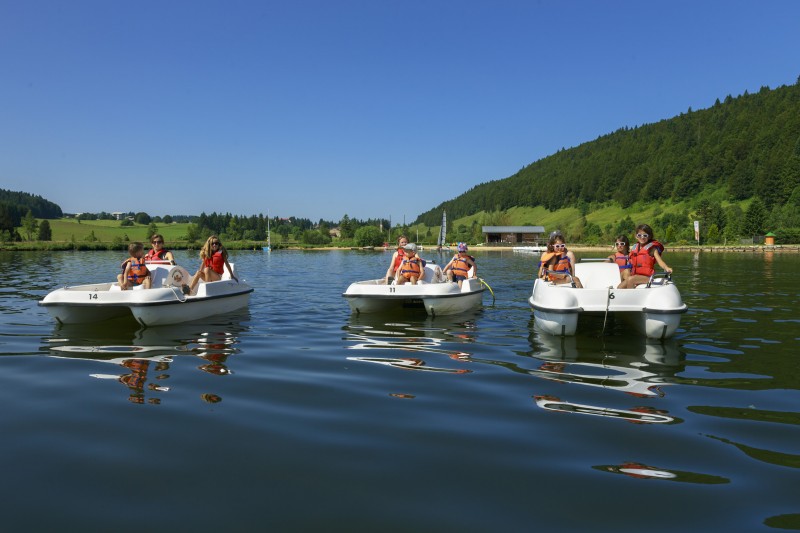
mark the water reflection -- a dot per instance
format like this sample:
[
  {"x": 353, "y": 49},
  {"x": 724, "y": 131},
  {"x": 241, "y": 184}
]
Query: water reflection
[
  {"x": 144, "y": 356},
  {"x": 643, "y": 471},
  {"x": 432, "y": 338},
  {"x": 631, "y": 365}
]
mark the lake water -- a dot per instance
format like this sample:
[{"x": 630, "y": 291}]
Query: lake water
[{"x": 295, "y": 415}]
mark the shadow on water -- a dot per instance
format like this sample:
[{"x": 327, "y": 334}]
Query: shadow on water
[{"x": 140, "y": 358}]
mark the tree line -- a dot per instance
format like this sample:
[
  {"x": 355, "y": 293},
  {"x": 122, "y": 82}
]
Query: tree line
[{"x": 15, "y": 205}]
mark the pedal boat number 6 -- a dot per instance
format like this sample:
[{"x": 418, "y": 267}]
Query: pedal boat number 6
[
  {"x": 654, "y": 308},
  {"x": 164, "y": 303},
  {"x": 434, "y": 294}
]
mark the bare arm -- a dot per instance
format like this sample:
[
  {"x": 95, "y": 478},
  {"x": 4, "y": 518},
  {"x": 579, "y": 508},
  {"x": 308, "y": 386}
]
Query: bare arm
[
  {"x": 230, "y": 271},
  {"x": 661, "y": 262},
  {"x": 390, "y": 270}
]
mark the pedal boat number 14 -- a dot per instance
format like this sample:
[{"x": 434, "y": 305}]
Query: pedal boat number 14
[
  {"x": 654, "y": 308},
  {"x": 164, "y": 303}
]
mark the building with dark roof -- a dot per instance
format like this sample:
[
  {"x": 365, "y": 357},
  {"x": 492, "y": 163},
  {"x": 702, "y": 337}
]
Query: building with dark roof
[{"x": 513, "y": 234}]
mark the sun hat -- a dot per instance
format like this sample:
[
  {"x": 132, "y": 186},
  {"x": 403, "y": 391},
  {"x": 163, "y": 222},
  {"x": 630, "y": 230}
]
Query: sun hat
[
  {"x": 411, "y": 247},
  {"x": 462, "y": 247}
]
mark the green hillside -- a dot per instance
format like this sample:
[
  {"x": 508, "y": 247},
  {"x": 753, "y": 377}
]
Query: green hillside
[{"x": 743, "y": 148}]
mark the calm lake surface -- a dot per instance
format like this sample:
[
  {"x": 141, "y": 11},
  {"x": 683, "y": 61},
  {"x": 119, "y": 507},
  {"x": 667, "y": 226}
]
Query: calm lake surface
[{"x": 295, "y": 415}]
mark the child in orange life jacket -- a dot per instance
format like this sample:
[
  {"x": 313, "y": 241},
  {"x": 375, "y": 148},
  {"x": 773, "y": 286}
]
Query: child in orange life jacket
[
  {"x": 457, "y": 269},
  {"x": 643, "y": 257},
  {"x": 622, "y": 249},
  {"x": 557, "y": 263},
  {"x": 412, "y": 268},
  {"x": 136, "y": 272}
]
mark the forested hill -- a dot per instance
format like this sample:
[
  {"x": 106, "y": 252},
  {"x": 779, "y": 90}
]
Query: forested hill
[
  {"x": 748, "y": 145},
  {"x": 15, "y": 205}
]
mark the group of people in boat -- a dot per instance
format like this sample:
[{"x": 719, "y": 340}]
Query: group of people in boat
[
  {"x": 636, "y": 264},
  {"x": 213, "y": 261},
  {"x": 407, "y": 267}
]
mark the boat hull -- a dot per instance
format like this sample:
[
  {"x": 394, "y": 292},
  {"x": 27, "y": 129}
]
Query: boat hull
[
  {"x": 653, "y": 311},
  {"x": 436, "y": 299}
]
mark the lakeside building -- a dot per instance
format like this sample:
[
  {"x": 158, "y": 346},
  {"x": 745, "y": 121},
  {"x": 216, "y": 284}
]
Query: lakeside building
[{"x": 513, "y": 234}]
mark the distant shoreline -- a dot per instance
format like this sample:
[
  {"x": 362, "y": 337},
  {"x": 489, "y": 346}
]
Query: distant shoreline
[{"x": 237, "y": 246}]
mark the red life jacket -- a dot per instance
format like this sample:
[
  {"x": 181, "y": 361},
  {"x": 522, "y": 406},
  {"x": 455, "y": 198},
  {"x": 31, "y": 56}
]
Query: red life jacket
[
  {"x": 399, "y": 259},
  {"x": 216, "y": 262},
  {"x": 622, "y": 261},
  {"x": 642, "y": 262},
  {"x": 159, "y": 258}
]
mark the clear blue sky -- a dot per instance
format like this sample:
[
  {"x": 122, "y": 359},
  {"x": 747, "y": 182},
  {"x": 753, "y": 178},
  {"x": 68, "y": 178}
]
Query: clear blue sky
[{"x": 370, "y": 108}]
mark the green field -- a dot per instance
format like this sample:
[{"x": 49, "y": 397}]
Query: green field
[{"x": 106, "y": 231}]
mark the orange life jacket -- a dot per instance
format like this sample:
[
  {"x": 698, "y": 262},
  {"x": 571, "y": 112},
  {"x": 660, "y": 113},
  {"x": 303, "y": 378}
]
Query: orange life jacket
[
  {"x": 411, "y": 267},
  {"x": 561, "y": 266},
  {"x": 137, "y": 271},
  {"x": 642, "y": 262},
  {"x": 460, "y": 266}
]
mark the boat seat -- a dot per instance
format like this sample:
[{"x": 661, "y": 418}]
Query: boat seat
[
  {"x": 158, "y": 274},
  {"x": 226, "y": 274},
  {"x": 598, "y": 275},
  {"x": 433, "y": 274}
]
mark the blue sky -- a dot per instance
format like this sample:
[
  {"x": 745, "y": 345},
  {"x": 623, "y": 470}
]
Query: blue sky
[{"x": 373, "y": 108}]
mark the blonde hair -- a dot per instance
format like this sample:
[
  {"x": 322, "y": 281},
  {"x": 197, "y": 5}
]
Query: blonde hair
[{"x": 206, "y": 251}]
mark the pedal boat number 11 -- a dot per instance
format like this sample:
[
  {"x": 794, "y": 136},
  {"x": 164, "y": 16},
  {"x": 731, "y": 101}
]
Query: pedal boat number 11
[
  {"x": 654, "y": 308},
  {"x": 433, "y": 293},
  {"x": 164, "y": 303}
]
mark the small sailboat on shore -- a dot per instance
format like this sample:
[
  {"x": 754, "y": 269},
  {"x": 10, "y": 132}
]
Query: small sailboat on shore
[
  {"x": 441, "y": 242},
  {"x": 268, "y": 247}
]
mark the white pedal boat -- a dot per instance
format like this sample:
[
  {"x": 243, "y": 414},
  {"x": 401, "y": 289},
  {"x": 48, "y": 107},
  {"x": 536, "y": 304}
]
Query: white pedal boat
[
  {"x": 434, "y": 294},
  {"x": 164, "y": 303},
  {"x": 654, "y": 308}
]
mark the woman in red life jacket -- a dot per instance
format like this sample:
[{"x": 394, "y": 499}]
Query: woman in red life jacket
[
  {"x": 557, "y": 264},
  {"x": 213, "y": 257},
  {"x": 457, "y": 269},
  {"x": 397, "y": 258},
  {"x": 622, "y": 249},
  {"x": 412, "y": 268},
  {"x": 136, "y": 272},
  {"x": 643, "y": 257},
  {"x": 158, "y": 254}
]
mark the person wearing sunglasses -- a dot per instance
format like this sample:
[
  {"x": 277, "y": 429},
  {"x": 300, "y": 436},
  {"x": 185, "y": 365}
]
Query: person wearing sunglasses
[
  {"x": 644, "y": 256},
  {"x": 457, "y": 269},
  {"x": 622, "y": 250},
  {"x": 557, "y": 263},
  {"x": 158, "y": 254},
  {"x": 213, "y": 257}
]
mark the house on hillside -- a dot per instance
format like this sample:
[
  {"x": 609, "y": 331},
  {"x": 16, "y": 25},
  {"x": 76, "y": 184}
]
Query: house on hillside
[{"x": 533, "y": 235}]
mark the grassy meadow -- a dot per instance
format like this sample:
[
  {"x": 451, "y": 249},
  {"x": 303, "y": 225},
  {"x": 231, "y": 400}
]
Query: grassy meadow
[{"x": 106, "y": 231}]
